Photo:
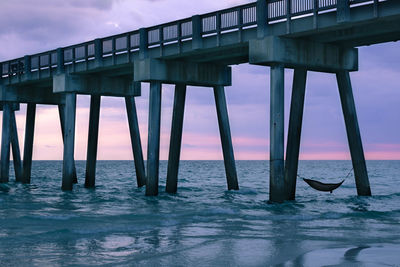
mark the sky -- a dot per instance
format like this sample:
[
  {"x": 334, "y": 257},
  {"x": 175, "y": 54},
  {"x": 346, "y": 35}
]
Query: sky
[{"x": 31, "y": 26}]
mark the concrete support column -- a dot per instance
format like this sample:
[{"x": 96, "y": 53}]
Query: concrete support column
[
  {"x": 277, "y": 185},
  {"x": 69, "y": 141},
  {"x": 226, "y": 139},
  {"x": 91, "y": 156},
  {"x": 135, "y": 140},
  {"x": 5, "y": 143},
  {"x": 153, "y": 147},
  {"x": 61, "y": 112},
  {"x": 294, "y": 134},
  {"x": 28, "y": 145},
  {"x": 353, "y": 133},
  {"x": 176, "y": 138},
  {"x": 15, "y": 148}
]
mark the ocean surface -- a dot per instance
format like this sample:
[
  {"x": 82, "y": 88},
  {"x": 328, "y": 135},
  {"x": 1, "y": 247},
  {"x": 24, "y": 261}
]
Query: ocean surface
[{"x": 204, "y": 224}]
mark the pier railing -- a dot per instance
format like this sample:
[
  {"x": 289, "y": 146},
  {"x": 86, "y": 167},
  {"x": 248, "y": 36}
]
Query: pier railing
[{"x": 239, "y": 18}]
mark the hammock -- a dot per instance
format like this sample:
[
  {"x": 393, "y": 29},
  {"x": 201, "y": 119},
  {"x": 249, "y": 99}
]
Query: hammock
[
  {"x": 325, "y": 187},
  {"x": 321, "y": 186}
]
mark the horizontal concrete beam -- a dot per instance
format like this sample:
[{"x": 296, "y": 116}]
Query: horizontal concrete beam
[
  {"x": 14, "y": 106},
  {"x": 179, "y": 72},
  {"x": 30, "y": 94},
  {"x": 96, "y": 85},
  {"x": 302, "y": 54}
]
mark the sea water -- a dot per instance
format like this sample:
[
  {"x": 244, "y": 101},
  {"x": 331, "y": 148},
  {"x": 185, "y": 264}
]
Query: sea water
[{"x": 203, "y": 224}]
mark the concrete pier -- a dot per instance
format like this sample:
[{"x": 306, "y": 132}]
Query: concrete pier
[
  {"x": 93, "y": 135},
  {"x": 28, "y": 145},
  {"x": 69, "y": 142},
  {"x": 353, "y": 133},
  {"x": 197, "y": 51},
  {"x": 294, "y": 134},
  {"x": 277, "y": 185},
  {"x": 135, "y": 140},
  {"x": 153, "y": 147},
  {"x": 226, "y": 139},
  {"x": 176, "y": 138}
]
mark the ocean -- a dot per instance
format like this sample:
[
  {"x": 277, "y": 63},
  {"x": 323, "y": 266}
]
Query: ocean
[{"x": 203, "y": 224}]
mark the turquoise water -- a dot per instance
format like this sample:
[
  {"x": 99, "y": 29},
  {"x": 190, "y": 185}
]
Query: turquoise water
[{"x": 203, "y": 225}]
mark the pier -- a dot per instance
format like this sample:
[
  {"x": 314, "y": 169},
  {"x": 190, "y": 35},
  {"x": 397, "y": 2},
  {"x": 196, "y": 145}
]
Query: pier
[{"x": 304, "y": 35}]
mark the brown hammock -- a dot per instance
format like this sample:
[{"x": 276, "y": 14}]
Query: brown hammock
[{"x": 321, "y": 186}]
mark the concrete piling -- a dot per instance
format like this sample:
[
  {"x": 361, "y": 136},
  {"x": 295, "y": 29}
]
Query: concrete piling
[
  {"x": 91, "y": 157},
  {"x": 61, "y": 112},
  {"x": 226, "y": 139},
  {"x": 69, "y": 142},
  {"x": 153, "y": 147},
  {"x": 277, "y": 185},
  {"x": 5, "y": 143},
  {"x": 15, "y": 148},
  {"x": 135, "y": 140},
  {"x": 176, "y": 138},
  {"x": 294, "y": 133},
  {"x": 28, "y": 145},
  {"x": 353, "y": 133}
]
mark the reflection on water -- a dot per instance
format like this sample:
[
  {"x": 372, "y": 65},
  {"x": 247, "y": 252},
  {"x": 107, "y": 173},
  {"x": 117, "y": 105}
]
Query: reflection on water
[{"x": 201, "y": 225}]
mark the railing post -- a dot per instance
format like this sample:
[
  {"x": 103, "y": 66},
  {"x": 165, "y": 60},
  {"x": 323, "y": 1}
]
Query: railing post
[
  {"x": 98, "y": 52},
  {"x": 262, "y": 18},
  {"x": 316, "y": 8},
  {"x": 60, "y": 60},
  {"x": 240, "y": 23},
  {"x": 288, "y": 16},
  {"x": 218, "y": 27},
  {"x": 197, "y": 40},
  {"x": 343, "y": 11},
  {"x": 376, "y": 12},
  {"x": 143, "y": 44},
  {"x": 27, "y": 67}
]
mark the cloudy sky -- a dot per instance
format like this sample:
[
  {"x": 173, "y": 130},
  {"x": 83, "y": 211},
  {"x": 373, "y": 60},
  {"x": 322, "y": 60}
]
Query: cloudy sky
[{"x": 30, "y": 26}]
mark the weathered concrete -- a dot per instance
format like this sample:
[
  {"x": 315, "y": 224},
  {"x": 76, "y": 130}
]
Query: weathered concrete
[
  {"x": 226, "y": 139},
  {"x": 153, "y": 147},
  {"x": 30, "y": 94},
  {"x": 5, "y": 144},
  {"x": 176, "y": 72},
  {"x": 353, "y": 134},
  {"x": 176, "y": 138},
  {"x": 294, "y": 134},
  {"x": 15, "y": 148},
  {"x": 28, "y": 145},
  {"x": 69, "y": 142},
  {"x": 96, "y": 84},
  {"x": 93, "y": 135},
  {"x": 292, "y": 53},
  {"x": 277, "y": 185},
  {"x": 135, "y": 140},
  {"x": 61, "y": 112}
]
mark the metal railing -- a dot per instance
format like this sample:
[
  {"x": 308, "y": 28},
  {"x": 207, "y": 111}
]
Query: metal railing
[{"x": 238, "y": 18}]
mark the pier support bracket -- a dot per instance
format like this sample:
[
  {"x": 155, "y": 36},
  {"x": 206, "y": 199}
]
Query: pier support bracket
[
  {"x": 182, "y": 74},
  {"x": 302, "y": 54},
  {"x": 179, "y": 72},
  {"x": 96, "y": 85}
]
